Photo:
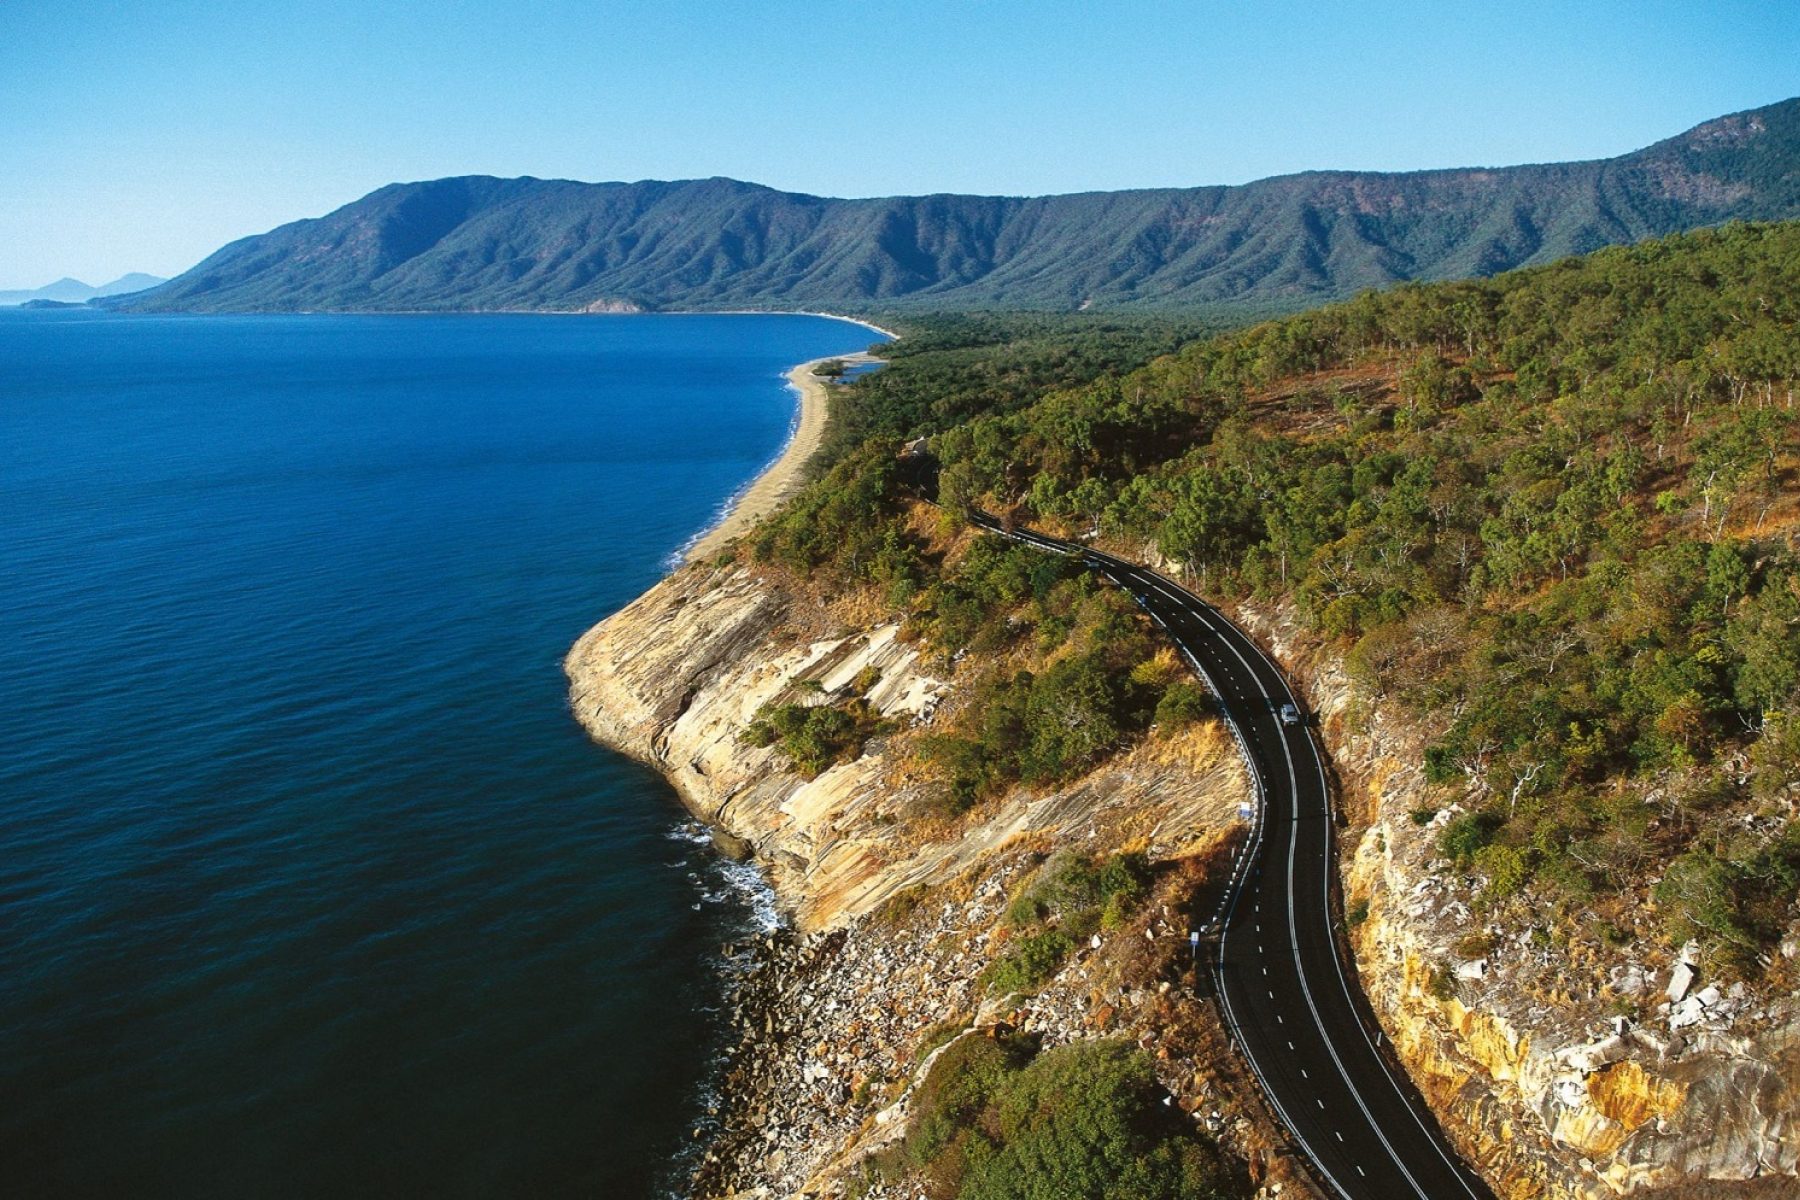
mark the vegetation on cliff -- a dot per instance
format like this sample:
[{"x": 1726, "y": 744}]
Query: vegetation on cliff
[{"x": 1550, "y": 514}]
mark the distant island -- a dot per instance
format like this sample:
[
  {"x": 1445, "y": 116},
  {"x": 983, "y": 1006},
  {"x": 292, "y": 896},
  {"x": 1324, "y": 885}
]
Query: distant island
[
  {"x": 481, "y": 243},
  {"x": 66, "y": 291}
]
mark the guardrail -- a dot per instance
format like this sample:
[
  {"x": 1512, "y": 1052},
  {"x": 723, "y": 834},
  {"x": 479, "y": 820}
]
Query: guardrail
[
  {"x": 1240, "y": 865},
  {"x": 1247, "y": 853}
]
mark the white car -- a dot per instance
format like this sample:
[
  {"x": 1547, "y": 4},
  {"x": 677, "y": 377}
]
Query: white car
[{"x": 1290, "y": 715}]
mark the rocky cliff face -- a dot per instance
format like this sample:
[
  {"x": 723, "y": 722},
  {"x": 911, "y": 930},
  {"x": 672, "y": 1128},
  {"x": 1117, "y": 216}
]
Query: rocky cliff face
[
  {"x": 1566, "y": 1064},
  {"x": 676, "y": 676},
  {"x": 895, "y": 915}
]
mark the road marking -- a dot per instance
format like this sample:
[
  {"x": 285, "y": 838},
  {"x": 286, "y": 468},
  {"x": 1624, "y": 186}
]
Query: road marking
[
  {"x": 1293, "y": 933},
  {"x": 1294, "y": 936},
  {"x": 1119, "y": 571}
]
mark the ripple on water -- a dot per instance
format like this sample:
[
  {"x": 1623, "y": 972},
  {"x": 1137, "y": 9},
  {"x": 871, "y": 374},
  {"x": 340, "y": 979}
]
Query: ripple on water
[{"x": 311, "y": 886}]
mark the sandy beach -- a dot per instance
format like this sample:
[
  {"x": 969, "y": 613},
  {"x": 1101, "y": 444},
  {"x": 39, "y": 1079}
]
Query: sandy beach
[{"x": 782, "y": 477}]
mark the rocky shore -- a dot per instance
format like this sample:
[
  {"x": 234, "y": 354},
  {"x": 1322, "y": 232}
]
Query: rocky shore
[
  {"x": 894, "y": 920},
  {"x": 832, "y": 1031}
]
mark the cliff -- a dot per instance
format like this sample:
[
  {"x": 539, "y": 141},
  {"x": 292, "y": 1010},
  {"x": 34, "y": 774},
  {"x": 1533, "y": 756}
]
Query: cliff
[
  {"x": 676, "y": 676},
  {"x": 898, "y": 915}
]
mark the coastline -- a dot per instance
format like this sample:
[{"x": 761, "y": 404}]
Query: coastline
[
  {"x": 880, "y": 950},
  {"x": 781, "y": 478}
]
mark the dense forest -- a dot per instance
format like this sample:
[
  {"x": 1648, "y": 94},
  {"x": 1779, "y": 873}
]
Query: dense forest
[{"x": 1551, "y": 514}]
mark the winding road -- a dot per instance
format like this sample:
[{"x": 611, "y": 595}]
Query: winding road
[{"x": 1294, "y": 1009}]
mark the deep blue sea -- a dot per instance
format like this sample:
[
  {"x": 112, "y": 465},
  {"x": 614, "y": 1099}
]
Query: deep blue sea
[{"x": 309, "y": 884}]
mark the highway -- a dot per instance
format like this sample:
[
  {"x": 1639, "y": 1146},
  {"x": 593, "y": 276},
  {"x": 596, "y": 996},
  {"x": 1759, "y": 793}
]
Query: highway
[{"x": 1291, "y": 1005}]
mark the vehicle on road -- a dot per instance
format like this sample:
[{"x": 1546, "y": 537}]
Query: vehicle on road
[{"x": 1283, "y": 990}]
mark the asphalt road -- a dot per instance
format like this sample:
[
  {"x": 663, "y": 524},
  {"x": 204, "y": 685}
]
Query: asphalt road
[{"x": 1297, "y": 1013}]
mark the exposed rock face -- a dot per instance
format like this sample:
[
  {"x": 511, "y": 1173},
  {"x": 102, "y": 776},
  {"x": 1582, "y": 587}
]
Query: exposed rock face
[
  {"x": 677, "y": 675},
  {"x": 612, "y": 306},
  {"x": 1565, "y": 1066}
]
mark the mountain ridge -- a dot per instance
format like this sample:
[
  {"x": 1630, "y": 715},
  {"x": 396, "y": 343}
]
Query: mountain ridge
[
  {"x": 480, "y": 242},
  {"x": 69, "y": 290}
]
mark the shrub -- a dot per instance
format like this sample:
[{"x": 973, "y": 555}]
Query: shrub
[
  {"x": 1182, "y": 703},
  {"x": 1698, "y": 900},
  {"x": 1507, "y": 868},
  {"x": 1026, "y": 966},
  {"x": 1441, "y": 983},
  {"x": 1474, "y": 945},
  {"x": 814, "y": 736},
  {"x": 1025, "y": 909},
  {"x": 1125, "y": 877},
  {"x": 1085, "y": 1121},
  {"x": 1466, "y": 834},
  {"x": 1083, "y": 894},
  {"x": 960, "y": 1086}
]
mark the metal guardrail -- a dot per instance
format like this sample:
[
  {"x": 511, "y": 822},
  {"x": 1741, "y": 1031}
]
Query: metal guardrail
[
  {"x": 1241, "y": 862},
  {"x": 1240, "y": 866}
]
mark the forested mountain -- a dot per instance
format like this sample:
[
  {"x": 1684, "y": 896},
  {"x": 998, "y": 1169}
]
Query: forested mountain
[{"x": 1282, "y": 243}]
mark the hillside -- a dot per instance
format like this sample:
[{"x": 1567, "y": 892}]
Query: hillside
[
  {"x": 1277, "y": 244},
  {"x": 1531, "y": 548}
]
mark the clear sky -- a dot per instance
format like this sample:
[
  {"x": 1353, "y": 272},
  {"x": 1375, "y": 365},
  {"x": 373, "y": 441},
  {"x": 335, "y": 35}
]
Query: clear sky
[{"x": 143, "y": 134}]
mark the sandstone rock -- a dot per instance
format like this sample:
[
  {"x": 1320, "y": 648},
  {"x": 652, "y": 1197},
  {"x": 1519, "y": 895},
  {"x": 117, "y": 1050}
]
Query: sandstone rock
[{"x": 1680, "y": 980}]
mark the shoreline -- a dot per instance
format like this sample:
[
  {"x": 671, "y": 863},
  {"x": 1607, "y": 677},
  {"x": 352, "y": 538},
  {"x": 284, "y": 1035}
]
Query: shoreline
[
  {"x": 764, "y": 312},
  {"x": 890, "y": 334},
  {"x": 781, "y": 478}
]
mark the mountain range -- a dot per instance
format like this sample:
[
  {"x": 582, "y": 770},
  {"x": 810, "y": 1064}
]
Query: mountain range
[
  {"x": 482, "y": 243},
  {"x": 73, "y": 291}
]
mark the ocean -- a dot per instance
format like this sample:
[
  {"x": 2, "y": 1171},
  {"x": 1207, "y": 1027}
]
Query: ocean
[{"x": 309, "y": 883}]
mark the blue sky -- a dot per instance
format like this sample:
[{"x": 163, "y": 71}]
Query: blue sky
[{"x": 141, "y": 136}]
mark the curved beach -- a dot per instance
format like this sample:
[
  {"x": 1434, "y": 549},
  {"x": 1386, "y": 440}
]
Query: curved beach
[{"x": 781, "y": 478}]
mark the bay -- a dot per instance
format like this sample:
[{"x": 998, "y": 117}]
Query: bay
[{"x": 309, "y": 884}]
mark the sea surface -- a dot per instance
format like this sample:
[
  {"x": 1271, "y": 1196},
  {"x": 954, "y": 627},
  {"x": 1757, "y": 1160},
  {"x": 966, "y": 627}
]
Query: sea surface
[{"x": 309, "y": 884}]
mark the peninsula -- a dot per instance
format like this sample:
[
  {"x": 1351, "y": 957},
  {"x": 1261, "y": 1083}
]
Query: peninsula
[{"x": 997, "y": 803}]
